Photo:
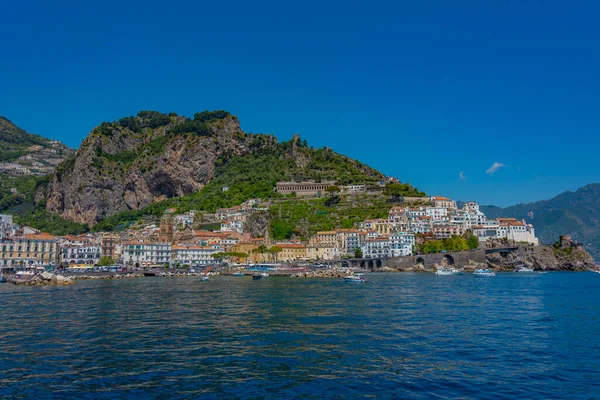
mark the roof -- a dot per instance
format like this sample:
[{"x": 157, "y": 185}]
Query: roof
[
  {"x": 440, "y": 198},
  {"x": 291, "y": 245},
  {"x": 39, "y": 236},
  {"x": 326, "y": 233}
]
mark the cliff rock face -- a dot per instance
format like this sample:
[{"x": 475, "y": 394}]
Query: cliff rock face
[
  {"x": 139, "y": 160},
  {"x": 545, "y": 258}
]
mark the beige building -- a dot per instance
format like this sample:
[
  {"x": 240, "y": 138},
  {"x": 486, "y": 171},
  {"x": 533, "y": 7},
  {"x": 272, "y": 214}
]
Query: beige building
[
  {"x": 324, "y": 238},
  {"x": 291, "y": 252},
  {"x": 31, "y": 249}
]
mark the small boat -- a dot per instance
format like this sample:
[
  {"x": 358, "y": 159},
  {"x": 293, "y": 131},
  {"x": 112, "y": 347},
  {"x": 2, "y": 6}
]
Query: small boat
[
  {"x": 355, "y": 278},
  {"x": 204, "y": 278},
  {"x": 481, "y": 273},
  {"x": 264, "y": 274},
  {"x": 149, "y": 273},
  {"x": 257, "y": 277},
  {"x": 238, "y": 274},
  {"x": 448, "y": 271}
]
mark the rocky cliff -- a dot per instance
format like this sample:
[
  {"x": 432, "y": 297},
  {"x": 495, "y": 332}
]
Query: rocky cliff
[
  {"x": 136, "y": 161},
  {"x": 546, "y": 258}
]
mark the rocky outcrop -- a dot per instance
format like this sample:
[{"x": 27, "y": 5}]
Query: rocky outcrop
[
  {"x": 119, "y": 169},
  {"x": 547, "y": 258},
  {"x": 258, "y": 223}
]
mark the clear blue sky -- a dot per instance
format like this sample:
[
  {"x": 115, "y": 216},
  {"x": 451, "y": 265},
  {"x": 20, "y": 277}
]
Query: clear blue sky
[{"x": 420, "y": 90}]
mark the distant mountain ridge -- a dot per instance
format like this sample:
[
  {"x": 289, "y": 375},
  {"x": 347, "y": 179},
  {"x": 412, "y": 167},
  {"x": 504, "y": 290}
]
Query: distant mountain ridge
[
  {"x": 23, "y": 153},
  {"x": 570, "y": 213}
]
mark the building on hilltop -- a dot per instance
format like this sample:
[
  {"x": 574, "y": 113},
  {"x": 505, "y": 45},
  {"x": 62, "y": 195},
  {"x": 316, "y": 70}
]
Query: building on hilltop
[
  {"x": 439, "y": 201},
  {"x": 307, "y": 188}
]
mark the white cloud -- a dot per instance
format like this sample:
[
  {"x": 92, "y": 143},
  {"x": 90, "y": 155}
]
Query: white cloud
[
  {"x": 495, "y": 167},
  {"x": 462, "y": 176}
]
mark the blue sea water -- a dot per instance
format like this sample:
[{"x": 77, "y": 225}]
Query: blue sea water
[{"x": 397, "y": 336}]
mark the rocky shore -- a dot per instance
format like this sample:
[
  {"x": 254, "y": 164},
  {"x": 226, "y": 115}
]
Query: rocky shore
[
  {"x": 543, "y": 258},
  {"x": 44, "y": 278}
]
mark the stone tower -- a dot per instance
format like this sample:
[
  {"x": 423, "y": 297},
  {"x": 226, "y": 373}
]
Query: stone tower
[{"x": 166, "y": 228}]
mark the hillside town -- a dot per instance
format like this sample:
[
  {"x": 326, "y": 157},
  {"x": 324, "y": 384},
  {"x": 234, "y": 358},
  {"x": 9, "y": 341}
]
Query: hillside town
[{"x": 175, "y": 243}]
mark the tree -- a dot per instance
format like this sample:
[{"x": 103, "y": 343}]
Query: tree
[
  {"x": 105, "y": 261},
  {"x": 331, "y": 190},
  {"x": 472, "y": 240},
  {"x": 274, "y": 251},
  {"x": 358, "y": 252}
]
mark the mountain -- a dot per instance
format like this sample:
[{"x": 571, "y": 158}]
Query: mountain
[
  {"x": 142, "y": 164},
  {"x": 570, "y": 213},
  {"x": 22, "y": 153}
]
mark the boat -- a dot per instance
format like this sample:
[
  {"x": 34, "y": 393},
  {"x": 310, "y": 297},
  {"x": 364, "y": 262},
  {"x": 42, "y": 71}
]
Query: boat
[
  {"x": 238, "y": 274},
  {"x": 358, "y": 278},
  {"x": 448, "y": 271},
  {"x": 525, "y": 270},
  {"x": 204, "y": 278},
  {"x": 481, "y": 273},
  {"x": 149, "y": 273},
  {"x": 257, "y": 277},
  {"x": 264, "y": 274}
]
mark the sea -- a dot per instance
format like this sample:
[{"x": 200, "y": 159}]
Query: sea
[{"x": 397, "y": 336}]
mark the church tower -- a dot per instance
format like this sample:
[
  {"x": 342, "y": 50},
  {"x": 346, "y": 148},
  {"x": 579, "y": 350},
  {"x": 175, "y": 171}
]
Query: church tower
[{"x": 166, "y": 228}]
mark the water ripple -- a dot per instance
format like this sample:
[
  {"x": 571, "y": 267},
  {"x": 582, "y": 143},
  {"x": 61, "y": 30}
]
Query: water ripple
[{"x": 398, "y": 336}]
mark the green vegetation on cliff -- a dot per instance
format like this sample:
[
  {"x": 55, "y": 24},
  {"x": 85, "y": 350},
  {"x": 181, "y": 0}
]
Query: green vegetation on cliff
[
  {"x": 254, "y": 176},
  {"x": 14, "y": 141}
]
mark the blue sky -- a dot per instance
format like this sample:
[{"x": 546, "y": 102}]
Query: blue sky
[{"x": 423, "y": 91}]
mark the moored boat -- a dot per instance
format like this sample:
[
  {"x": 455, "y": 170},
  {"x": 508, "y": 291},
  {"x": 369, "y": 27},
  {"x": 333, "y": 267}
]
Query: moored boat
[
  {"x": 448, "y": 271},
  {"x": 357, "y": 278},
  {"x": 482, "y": 273},
  {"x": 238, "y": 274},
  {"x": 204, "y": 278},
  {"x": 257, "y": 277},
  {"x": 149, "y": 273}
]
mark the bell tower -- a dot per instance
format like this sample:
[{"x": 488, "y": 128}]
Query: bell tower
[{"x": 165, "y": 234}]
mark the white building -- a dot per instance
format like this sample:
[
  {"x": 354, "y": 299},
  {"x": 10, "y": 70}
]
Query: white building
[
  {"x": 192, "y": 255},
  {"x": 349, "y": 189},
  {"x": 437, "y": 213},
  {"x": 143, "y": 254},
  {"x": 377, "y": 247},
  {"x": 401, "y": 244},
  {"x": 506, "y": 228},
  {"x": 85, "y": 254},
  {"x": 6, "y": 226}
]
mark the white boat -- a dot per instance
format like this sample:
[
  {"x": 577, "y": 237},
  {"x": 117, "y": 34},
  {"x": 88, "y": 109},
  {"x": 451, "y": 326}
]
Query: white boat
[
  {"x": 525, "y": 270},
  {"x": 204, "y": 278},
  {"x": 482, "y": 273},
  {"x": 448, "y": 271},
  {"x": 264, "y": 274},
  {"x": 358, "y": 278}
]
